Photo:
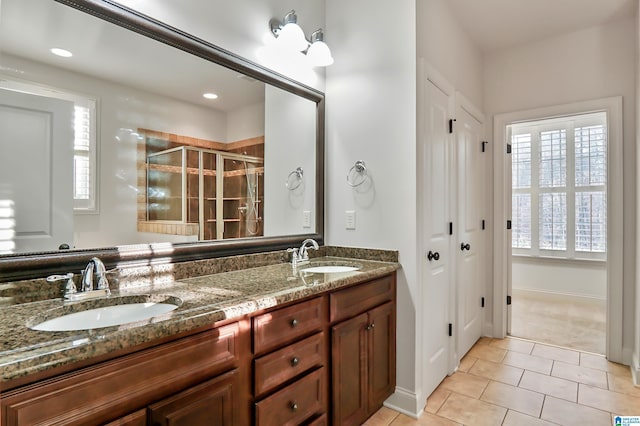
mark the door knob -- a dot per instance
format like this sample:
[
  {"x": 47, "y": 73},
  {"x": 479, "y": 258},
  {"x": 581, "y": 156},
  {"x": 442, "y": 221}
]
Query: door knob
[
  {"x": 464, "y": 246},
  {"x": 433, "y": 256}
]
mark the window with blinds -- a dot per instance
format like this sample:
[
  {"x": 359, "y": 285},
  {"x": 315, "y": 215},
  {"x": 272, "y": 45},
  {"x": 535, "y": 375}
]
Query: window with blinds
[
  {"x": 84, "y": 157},
  {"x": 559, "y": 172}
]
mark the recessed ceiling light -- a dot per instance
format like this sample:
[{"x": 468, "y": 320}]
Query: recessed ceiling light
[
  {"x": 210, "y": 96},
  {"x": 61, "y": 52}
]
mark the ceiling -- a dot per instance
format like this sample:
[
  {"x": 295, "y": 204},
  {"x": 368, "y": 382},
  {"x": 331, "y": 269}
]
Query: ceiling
[{"x": 499, "y": 24}]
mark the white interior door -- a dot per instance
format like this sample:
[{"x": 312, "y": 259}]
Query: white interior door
[
  {"x": 469, "y": 246},
  {"x": 437, "y": 259},
  {"x": 37, "y": 131}
]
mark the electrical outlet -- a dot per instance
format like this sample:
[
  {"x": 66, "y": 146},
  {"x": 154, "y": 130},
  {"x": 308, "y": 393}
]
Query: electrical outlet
[
  {"x": 306, "y": 219},
  {"x": 350, "y": 219}
]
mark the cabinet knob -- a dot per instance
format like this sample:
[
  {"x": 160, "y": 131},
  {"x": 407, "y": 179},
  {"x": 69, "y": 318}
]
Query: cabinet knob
[
  {"x": 294, "y": 361},
  {"x": 294, "y": 323},
  {"x": 370, "y": 326},
  {"x": 293, "y": 406}
]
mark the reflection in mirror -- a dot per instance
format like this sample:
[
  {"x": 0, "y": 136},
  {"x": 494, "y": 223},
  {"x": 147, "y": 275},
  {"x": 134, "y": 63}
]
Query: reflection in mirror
[{"x": 114, "y": 143}]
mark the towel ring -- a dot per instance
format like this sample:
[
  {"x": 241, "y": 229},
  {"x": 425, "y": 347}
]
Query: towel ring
[
  {"x": 294, "y": 183},
  {"x": 359, "y": 168}
]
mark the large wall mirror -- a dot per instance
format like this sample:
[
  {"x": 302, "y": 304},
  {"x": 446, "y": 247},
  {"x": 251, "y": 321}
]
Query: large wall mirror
[{"x": 137, "y": 142}]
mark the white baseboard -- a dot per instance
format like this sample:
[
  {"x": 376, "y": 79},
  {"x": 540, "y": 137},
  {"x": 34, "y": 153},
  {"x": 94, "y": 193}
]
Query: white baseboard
[
  {"x": 635, "y": 368},
  {"x": 405, "y": 402},
  {"x": 563, "y": 296}
]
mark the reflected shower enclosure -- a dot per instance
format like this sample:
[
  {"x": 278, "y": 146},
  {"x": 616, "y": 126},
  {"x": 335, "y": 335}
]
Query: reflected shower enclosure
[{"x": 208, "y": 193}]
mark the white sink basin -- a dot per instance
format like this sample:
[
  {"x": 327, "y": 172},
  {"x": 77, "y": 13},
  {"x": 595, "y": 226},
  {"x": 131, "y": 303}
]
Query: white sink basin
[
  {"x": 105, "y": 317},
  {"x": 330, "y": 269}
]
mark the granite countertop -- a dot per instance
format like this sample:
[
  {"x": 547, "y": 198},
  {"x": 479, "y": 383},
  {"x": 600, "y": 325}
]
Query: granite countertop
[{"x": 205, "y": 300}]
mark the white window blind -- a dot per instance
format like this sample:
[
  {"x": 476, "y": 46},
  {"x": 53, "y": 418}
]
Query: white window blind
[{"x": 559, "y": 200}]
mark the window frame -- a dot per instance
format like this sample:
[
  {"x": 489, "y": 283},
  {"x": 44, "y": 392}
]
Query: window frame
[{"x": 535, "y": 128}]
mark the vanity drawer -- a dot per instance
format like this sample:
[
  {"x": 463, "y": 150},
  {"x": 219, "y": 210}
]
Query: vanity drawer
[
  {"x": 295, "y": 403},
  {"x": 278, "y": 367},
  {"x": 355, "y": 300},
  {"x": 281, "y": 326}
]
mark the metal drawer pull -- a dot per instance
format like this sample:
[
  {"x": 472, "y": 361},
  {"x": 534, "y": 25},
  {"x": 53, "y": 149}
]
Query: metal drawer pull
[
  {"x": 293, "y": 406},
  {"x": 294, "y": 323},
  {"x": 294, "y": 361}
]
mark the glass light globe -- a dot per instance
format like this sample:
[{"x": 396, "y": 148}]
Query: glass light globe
[
  {"x": 292, "y": 37},
  {"x": 319, "y": 54}
]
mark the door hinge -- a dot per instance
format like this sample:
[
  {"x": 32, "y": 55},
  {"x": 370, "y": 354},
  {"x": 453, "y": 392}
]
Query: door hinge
[
  {"x": 483, "y": 224},
  {"x": 483, "y": 145},
  {"x": 451, "y": 125},
  {"x": 508, "y": 300},
  {"x": 508, "y": 148},
  {"x": 450, "y": 228},
  {"x": 450, "y": 329},
  {"x": 508, "y": 224},
  {"x": 482, "y": 302}
]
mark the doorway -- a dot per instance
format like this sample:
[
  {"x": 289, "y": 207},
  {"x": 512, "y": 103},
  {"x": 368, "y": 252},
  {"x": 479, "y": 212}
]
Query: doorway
[
  {"x": 559, "y": 230},
  {"x": 561, "y": 189}
]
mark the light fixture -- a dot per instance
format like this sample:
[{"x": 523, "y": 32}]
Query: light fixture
[
  {"x": 61, "y": 52},
  {"x": 210, "y": 96},
  {"x": 291, "y": 37},
  {"x": 319, "y": 53}
]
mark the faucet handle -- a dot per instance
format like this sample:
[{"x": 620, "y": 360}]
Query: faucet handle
[
  {"x": 70, "y": 288},
  {"x": 294, "y": 255}
]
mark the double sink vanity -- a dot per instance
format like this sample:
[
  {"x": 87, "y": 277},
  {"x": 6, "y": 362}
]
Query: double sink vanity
[{"x": 242, "y": 340}]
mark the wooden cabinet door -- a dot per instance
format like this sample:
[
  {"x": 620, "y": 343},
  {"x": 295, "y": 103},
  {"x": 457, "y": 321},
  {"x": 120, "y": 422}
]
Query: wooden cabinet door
[
  {"x": 139, "y": 418},
  {"x": 349, "y": 371},
  {"x": 381, "y": 337},
  {"x": 210, "y": 403}
]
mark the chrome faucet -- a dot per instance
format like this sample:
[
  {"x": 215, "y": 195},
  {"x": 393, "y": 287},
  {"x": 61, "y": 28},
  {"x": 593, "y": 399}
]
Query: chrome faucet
[
  {"x": 301, "y": 255},
  {"x": 94, "y": 267}
]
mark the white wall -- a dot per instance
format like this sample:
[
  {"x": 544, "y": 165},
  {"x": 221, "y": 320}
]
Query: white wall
[
  {"x": 288, "y": 144},
  {"x": 371, "y": 116},
  {"x": 449, "y": 49},
  {"x": 586, "y": 279},
  {"x": 593, "y": 63},
  {"x": 635, "y": 363},
  {"x": 244, "y": 123}
]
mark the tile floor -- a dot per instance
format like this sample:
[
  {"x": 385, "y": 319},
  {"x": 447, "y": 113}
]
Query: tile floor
[
  {"x": 574, "y": 322},
  {"x": 518, "y": 382}
]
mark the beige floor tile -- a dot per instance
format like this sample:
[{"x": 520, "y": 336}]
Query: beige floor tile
[
  {"x": 614, "y": 402},
  {"x": 436, "y": 399},
  {"x": 484, "y": 341},
  {"x": 466, "y": 363},
  {"x": 518, "y": 399},
  {"x": 515, "y": 345},
  {"x": 465, "y": 384},
  {"x": 556, "y": 354},
  {"x": 599, "y": 362},
  {"x": 499, "y": 372},
  {"x": 588, "y": 376},
  {"x": 623, "y": 385},
  {"x": 425, "y": 419},
  {"x": 569, "y": 413},
  {"x": 470, "y": 411},
  {"x": 487, "y": 352},
  {"x": 518, "y": 419},
  {"x": 554, "y": 386},
  {"x": 383, "y": 417},
  {"x": 528, "y": 362}
]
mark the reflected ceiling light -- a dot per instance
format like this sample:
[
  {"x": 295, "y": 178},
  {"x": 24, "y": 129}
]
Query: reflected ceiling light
[
  {"x": 210, "y": 96},
  {"x": 61, "y": 52},
  {"x": 291, "y": 37}
]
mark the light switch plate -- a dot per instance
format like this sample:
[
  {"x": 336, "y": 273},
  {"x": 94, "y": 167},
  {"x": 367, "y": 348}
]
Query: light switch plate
[
  {"x": 306, "y": 219},
  {"x": 350, "y": 219}
]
